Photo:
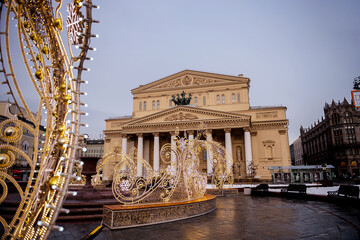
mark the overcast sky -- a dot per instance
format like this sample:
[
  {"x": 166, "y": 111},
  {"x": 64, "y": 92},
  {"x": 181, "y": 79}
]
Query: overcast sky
[{"x": 299, "y": 54}]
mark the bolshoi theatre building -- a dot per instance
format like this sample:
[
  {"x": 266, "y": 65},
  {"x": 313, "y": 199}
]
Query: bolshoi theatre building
[{"x": 256, "y": 136}]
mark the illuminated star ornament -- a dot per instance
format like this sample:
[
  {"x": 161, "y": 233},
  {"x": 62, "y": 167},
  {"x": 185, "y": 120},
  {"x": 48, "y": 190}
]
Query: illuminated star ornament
[{"x": 74, "y": 25}]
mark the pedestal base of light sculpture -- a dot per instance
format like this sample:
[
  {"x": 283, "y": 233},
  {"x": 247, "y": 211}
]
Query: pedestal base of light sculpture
[{"x": 123, "y": 216}]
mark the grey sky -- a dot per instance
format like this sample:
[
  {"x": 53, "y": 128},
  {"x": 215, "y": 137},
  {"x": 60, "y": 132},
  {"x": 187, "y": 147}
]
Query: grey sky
[{"x": 299, "y": 54}]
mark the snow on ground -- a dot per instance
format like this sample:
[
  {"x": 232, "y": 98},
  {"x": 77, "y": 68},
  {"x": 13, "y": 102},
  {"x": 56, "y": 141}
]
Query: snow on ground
[{"x": 312, "y": 188}]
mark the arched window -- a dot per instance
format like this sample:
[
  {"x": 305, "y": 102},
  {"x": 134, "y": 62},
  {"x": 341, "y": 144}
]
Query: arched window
[
  {"x": 223, "y": 99},
  {"x": 140, "y": 106},
  {"x": 25, "y": 146},
  {"x": 158, "y": 104},
  {"x": 238, "y": 97},
  {"x": 144, "y": 105},
  {"x": 204, "y": 100},
  {"x": 348, "y": 117},
  {"x": 233, "y": 98},
  {"x": 170, "y": 103},
  {"x": 153, "y": 105},
  {"x": 335, "y": 119},
  {"x": 195, "y": 101},
  {"x": 217, "y": 99}
]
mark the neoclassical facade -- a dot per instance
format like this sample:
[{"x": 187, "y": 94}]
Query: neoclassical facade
[{"x": 254, "y": 136}]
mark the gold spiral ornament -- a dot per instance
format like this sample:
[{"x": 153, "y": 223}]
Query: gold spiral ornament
[{"x": 55, "y": 71}]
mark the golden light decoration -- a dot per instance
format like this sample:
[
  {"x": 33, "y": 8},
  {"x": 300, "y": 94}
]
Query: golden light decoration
[
  {"x": 179, "y": 178},
  {"x": 55, "y": 72}
]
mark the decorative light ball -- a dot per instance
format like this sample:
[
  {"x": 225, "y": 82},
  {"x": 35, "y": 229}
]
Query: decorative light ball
[
  {"x": 57, "y": 23},
  {"x": 10, "y": 132},
  {"x": 53, "y": 180},
  {"x": 62, "y": 141},
  {"x": 66, "y": 98},
  {"x": 39, "y": 74},
  {"x": 63, "y": 87},
  {"x": 61, "y": 129},
  {"x": 26, "y": 24},
  {"x": 45, "y": 50},
  {"x": 4, "y": 158}
]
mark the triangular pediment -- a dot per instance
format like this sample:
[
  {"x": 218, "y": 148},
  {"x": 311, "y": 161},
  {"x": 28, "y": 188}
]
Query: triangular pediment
[
  {"x": 190, "y": 79},
  {"x": 186, "y": 114}
]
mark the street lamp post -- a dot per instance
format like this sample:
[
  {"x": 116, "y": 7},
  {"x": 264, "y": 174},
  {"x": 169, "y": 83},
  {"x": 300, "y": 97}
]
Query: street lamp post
[{"x": 324, "y": 171}]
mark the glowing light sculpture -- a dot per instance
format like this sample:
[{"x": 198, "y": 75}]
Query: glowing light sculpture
[
  {"x": 177, "y": 180},
  {"x": 55, "y": 72}
]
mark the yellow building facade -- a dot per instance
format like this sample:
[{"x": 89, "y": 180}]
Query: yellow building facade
[{"x": 256, "y": 137}]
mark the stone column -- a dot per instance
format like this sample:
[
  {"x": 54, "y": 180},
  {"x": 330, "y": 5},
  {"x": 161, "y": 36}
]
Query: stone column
[
  {"x": 191, "y": 135},
  {"x": 146, "y": 153},
  {"x": 156, "y": 166},
  {"x": 209, "y": 154},
  {"x": 124, "y": 149},
  {"x": 140, "y": 153},
  {"x": 228, "y": 146},
  {"x": 124, "y": 144},
  {"x": 248, "y": 153}
]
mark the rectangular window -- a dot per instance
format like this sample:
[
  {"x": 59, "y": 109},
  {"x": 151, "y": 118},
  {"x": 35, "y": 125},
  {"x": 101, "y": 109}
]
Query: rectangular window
[
  {"x": 158, "y": 104},
  {"x": 140, "y": 106},
  {"x": 217, "y": 99},
  {"x": 205, "y": 155},
  {"x": 223, "y": 99},
  {"x": 204, "y": 100},
  {"x": 238, "y": 97},
  {"x": 153, "y": 105}
]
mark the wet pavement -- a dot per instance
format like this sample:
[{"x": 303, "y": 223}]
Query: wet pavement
[{"x": 243, "y": 217}]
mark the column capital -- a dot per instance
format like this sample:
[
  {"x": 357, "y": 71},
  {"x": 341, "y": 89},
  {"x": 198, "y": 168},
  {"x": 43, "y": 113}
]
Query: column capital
[
  {"x": 253, "y": 133},
  {"x": 227, "y": 130},
  {"x": 123, "y": 135},
  {"x": 190, "y": 132},
  {"x": 208, "y": 131},
  {"x": 246, "y": 129},
  {"x": 156, "y": 134},
  {"x": 139, "y": 135},
  {"x": 172, "y": 133}
]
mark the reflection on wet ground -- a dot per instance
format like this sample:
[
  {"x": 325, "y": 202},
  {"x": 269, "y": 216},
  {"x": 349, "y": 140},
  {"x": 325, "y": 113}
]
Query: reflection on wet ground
[{"x": 244, "y": 217}]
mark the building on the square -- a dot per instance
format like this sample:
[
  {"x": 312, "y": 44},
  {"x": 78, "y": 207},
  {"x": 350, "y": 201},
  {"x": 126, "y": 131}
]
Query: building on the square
[
  {"x": 94, "y": 148},
  {"x": 292, "y": 154},
  {"x": 335, "y": 139},
  {"x": 257, "y": 135},
  {"x": 298, "y": 152}
]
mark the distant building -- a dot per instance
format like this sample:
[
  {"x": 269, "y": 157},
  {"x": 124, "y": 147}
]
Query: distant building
[
  {"x": 298, "y": 152},
  {"x": 94, "y": 148},
  {"x": 292, "y": 154},
  {"x": 335, "y": 139}
]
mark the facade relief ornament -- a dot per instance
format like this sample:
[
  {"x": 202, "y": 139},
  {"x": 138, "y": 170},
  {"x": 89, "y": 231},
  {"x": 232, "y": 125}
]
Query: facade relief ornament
[
  {"x": 282, "y": 132},
  {"x": 188, "y": 80},
  {"x": 266, "y": 115},
  {"x": 204, "y": 80},
  {"x": 181, "y": 116}
]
